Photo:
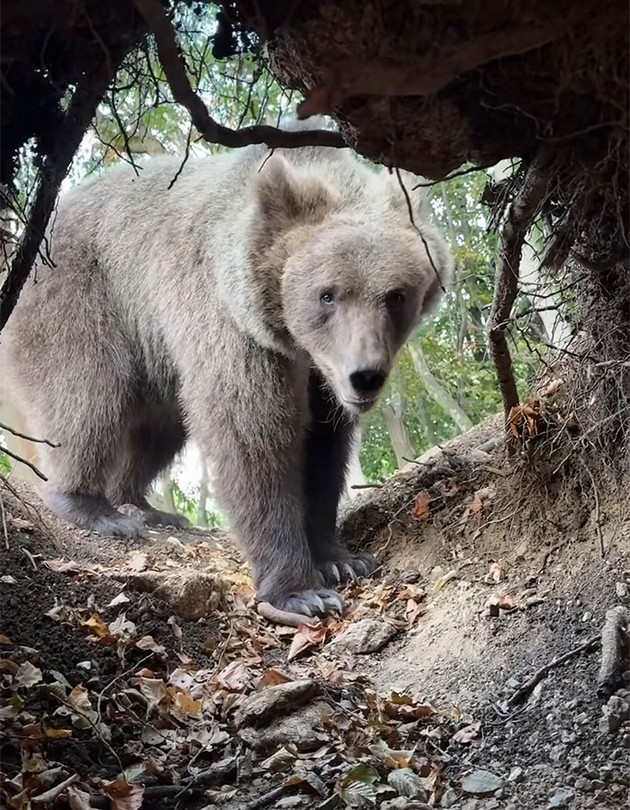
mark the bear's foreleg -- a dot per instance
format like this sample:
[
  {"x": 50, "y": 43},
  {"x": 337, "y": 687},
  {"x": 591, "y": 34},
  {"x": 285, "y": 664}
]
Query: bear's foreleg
[
  {"x": 328, "y": 447},
  {"x": 253, "y": 429}
]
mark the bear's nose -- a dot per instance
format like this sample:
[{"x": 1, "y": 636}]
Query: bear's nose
[{"x": 367, "y": 380}]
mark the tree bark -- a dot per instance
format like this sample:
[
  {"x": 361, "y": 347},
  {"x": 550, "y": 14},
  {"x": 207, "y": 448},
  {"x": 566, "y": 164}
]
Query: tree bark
[
  {"x": 394, "y": 415},
  {"x": 202, "y": 513},
  {"x": 436, "y": 390}
]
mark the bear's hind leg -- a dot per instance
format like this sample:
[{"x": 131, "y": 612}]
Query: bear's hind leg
[
  {"x": 86, "y": 425},
  {"x": 328, "y": 448},
  {"x": 155, "y": 435}
]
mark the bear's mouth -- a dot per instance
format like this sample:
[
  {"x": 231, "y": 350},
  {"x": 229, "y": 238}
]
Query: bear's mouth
[{"x": 358, "y": 404}]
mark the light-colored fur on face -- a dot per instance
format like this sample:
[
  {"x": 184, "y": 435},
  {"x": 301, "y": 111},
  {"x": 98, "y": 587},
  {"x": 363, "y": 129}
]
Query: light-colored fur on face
[{"x": 227, "y": 308}]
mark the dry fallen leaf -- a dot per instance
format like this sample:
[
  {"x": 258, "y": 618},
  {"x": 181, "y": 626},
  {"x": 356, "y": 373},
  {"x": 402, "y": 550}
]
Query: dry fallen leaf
[
  {"x": 137, "y": 561},
  {"x": 272, "y": 677},
  {"x": 476, "y": 506},
  {"x": 121, "y": 599},
  {"x": 149, "y": 643},
  {"x": 306, "y": 637},
  {"x": 28, "y": 675},
  {"x": 235, "y": 677},
  {"x": 123, "y": 795},
  {"x": 99, "y": 629},
  {"x": 421, "y": 509},
  {"x": 468, "y": 733}
]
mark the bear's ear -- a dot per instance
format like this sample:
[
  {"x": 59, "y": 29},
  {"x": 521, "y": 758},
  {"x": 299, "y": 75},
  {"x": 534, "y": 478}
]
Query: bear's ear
[
  {"x": 286, "y": 197},
  {"x": 439, "y": 266},
  {"x": 399, "y": 192}
]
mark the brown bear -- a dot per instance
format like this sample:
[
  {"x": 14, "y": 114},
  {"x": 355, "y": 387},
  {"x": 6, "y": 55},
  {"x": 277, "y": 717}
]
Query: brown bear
[{"x": 256, "y": 305}]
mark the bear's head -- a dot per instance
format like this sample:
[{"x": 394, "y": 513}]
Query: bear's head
[{"x": 355, "y": 279}]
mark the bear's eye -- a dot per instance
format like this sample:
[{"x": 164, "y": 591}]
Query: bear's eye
[
  {"x": 396, "y": 298},
  {"x": 327, "y": 297}
]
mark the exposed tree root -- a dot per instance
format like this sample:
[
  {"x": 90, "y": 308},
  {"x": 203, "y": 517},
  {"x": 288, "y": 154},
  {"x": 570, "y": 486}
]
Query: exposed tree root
[
  {"x": 615, "y": 650},
  {"x": 525, "y": 207}
]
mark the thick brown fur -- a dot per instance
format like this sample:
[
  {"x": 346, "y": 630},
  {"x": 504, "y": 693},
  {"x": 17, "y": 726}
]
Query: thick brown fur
[{"x": 256, "y": 306}]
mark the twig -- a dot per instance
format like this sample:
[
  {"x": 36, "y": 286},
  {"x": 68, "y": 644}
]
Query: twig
[
  {"x": 175, "y": 71},
  {"x": 4, "y": 522},
  {"x": 598, "y": 525},
  {"x": 28, "y": 438},
  {"x": 21, "y": 460},
  {"x": 109, "y": 685},
  {"x": 417, "y": 229},
  {"x": 615, "y": 650},
  {"x": 268, "y": 798},
  {"x": 524, "y": 208},
  {"x": 366, "y": 486},
  {"x": 528, "y": 687},
  {"x": 221, "y": 770}
]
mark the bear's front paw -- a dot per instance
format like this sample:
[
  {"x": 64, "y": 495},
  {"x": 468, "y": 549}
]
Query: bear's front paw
[
  {"x": 318, "y": 602},
  {"x": 347, "y": 567}
]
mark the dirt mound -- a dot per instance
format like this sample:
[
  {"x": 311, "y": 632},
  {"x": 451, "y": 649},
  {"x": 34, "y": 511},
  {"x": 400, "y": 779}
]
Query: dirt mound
[{"x": 464, "y": 675}]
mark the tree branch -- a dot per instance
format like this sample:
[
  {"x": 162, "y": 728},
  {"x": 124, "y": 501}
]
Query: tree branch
[
  {"x": 69, "y": 136},
  {"x": 175, "y": 70},
  {"x": 524, "y": 208}
]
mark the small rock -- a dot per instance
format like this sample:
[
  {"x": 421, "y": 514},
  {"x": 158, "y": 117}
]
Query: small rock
[
  {"x": 585, "y": 785},
  {"x": 516, "y": 774},
  {"x": 586, "y": 617},
  {"x": 299, "y": 729},
  {"x": 364, "y": 636},
  {"x": 616, "y": 712},
  {"x": 561, "y": 798},
  {"x": 481, "y": 783},
  {"x": 262, "y": 707},
  {"x": 622, "y": 590},
  {"x": 449, "y": 798}
]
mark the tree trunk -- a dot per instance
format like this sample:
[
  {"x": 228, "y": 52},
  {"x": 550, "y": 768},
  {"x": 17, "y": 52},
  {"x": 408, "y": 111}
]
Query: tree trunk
[
  {"x": 435, "y": 389},
  {"x": 425, "y": 419},
  {"x": 394, "y": 415},
  {"x": 355, "y": 474},
  {"x": 202, "y": 513}
]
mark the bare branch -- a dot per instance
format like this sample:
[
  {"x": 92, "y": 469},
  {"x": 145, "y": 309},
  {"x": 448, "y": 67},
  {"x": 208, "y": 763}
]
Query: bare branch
[
  {"x": 28, "y": 438},
  {"x": 175, "y": 70},
  {"x": 21, "y": 460},
  {"x": 521, "y": 213}
]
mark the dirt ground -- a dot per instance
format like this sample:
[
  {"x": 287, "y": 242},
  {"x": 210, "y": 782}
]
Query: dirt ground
[{"x": 140, "y": 675}]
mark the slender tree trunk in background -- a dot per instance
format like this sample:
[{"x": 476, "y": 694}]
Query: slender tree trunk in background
[
  {"x": 435, "y": 389},
  {"x": 425, "y": 420},
  {"x": 202, "y": 514},
  {"x": 355, "y": 472},
  {"x": 394, "y": 415},
  {"x": 161, "y": 495}
]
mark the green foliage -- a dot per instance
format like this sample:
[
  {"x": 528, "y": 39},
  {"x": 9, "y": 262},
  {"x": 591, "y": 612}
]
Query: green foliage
[
  {"x": 5, "y": 463},
  {"x": 187, "y": 504}
]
